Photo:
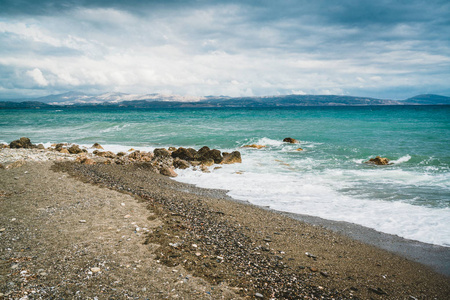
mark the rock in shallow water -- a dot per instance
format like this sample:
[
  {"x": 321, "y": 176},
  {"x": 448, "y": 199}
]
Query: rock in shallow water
[
  {"x": 291, "y": 140},
  {"x": 380, "y": 161},
  {"x": 231, "y": 158},
  {"x": 254, "y": 146}
]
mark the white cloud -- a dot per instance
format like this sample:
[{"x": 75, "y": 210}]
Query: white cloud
[{"x": 38, "y": 77}]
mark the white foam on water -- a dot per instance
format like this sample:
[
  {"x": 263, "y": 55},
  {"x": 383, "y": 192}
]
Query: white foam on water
[
  {"x": 401, "y": 159},
  {"x": 298, "y": 188},
  {"x": 115, "y": 128}
]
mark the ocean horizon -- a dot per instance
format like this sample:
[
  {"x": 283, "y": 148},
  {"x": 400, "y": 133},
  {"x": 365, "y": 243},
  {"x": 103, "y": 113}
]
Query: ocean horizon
[{"x": 328, "y": 178}]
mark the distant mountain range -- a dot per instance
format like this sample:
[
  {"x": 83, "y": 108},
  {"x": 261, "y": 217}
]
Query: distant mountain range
[{"x": 76, "y": 99}]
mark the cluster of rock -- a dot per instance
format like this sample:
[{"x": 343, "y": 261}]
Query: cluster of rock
[
  {"x": 23, "y": 142},
  {"x": 161, "y": 160}
]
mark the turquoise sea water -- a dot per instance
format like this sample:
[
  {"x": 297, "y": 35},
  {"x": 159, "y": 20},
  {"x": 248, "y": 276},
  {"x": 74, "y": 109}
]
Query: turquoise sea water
[{"x": 410, "y": 198}]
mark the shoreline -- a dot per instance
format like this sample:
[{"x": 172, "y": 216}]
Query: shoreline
[
  {"x": 435, "y": 256},
  {"x": 239, "y": 247}
]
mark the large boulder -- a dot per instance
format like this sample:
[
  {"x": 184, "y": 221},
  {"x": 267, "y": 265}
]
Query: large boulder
[
  {"x": 231, "y": 158},
  {"x": 75, "y": 149},
  {"x": 202, "y": 151},
  {"x": 205, "y": 155},
  {"x": 161, "y": 152},
  {"x": 380, "y": 161},
  {"x": 291, "y": 140},
  {"x": 23, "y": 142},
  {"x": 185, "y": 154}
]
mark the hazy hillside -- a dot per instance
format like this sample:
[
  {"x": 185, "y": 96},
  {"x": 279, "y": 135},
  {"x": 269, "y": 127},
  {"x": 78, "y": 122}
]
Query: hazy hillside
[
  {"x": 75, "y": 99},
  {"x": 429, "y": 99}
]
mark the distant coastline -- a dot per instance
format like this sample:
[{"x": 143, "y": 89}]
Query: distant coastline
[{"x": 80, "y": 100}]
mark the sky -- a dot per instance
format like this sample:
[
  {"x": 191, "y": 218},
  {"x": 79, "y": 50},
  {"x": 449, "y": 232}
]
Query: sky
[{"x": 382, "y": 49}]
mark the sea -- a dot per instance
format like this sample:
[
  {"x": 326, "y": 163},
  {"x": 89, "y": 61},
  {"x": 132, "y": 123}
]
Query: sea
[{"x": 328, "y": 179}]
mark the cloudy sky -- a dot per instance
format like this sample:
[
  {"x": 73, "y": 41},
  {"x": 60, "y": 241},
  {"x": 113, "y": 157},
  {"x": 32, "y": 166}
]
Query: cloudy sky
[{"x": 383, "y": 49}]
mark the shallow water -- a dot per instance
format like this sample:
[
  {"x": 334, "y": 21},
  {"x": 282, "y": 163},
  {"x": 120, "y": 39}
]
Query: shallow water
[{"x": 410, "y": 198}]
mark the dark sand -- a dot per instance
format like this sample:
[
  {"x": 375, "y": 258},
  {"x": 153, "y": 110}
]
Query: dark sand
[{"x": 199, "y": 244}]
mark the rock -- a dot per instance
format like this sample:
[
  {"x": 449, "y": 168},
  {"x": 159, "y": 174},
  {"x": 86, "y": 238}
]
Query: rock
[
  {"x": 82, "y": 221},
  {"x": 97, "y": 146},
  {"x": 2, "y": 229},
  {"x": 85, "y": 160},
  {"x": 3, "y": 146},
  {"x": 205, "y": 154},
  {"x": 161, "y": 152},
  {"x": 291, "y": 140},
  {"x": 107, "y": 154},
  {"x": 299, "y": 149},
  {"x": 75, "y": 149},
  {"x": 231, "y": 158},
  {"x": 258, "y": 295},
  {"x": 186, "y": 154},
  {"x": 59, "y": 147},
  {"x": 208, "y": 162},
  {"x": 166, "y": 171},
  {"x": 41, "y": 147},
  {"x": 120, "y": 154},
  {"x": 64, "y": 150},
  {"x": 180, "y": 163},
  {"x": 378, "y": 161},
  {"x": 2, "y": 166},
  {"x": 23, "y": 142},
  {"x": 136, "y": 155},
  {"x": 203, "y": 150},
  {"x": 254, "y": 146},
  {"x": 95, "y": 270},
  {"x": 204, "y": 169},
  {"x": 195, "y": 163},
  {"x": 148, "y": 156},
  {"x": 171, "y": 149}
]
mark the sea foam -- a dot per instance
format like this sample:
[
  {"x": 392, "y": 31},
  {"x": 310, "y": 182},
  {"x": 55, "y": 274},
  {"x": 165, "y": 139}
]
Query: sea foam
[{"x": 298, "y": 186}]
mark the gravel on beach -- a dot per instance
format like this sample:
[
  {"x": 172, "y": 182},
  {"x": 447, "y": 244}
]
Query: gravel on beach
[{"x": 69, "y": 230}]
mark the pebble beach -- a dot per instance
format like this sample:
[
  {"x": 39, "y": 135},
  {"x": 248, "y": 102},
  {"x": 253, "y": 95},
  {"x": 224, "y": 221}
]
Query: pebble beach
[{"x": 70, "y": 229}]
